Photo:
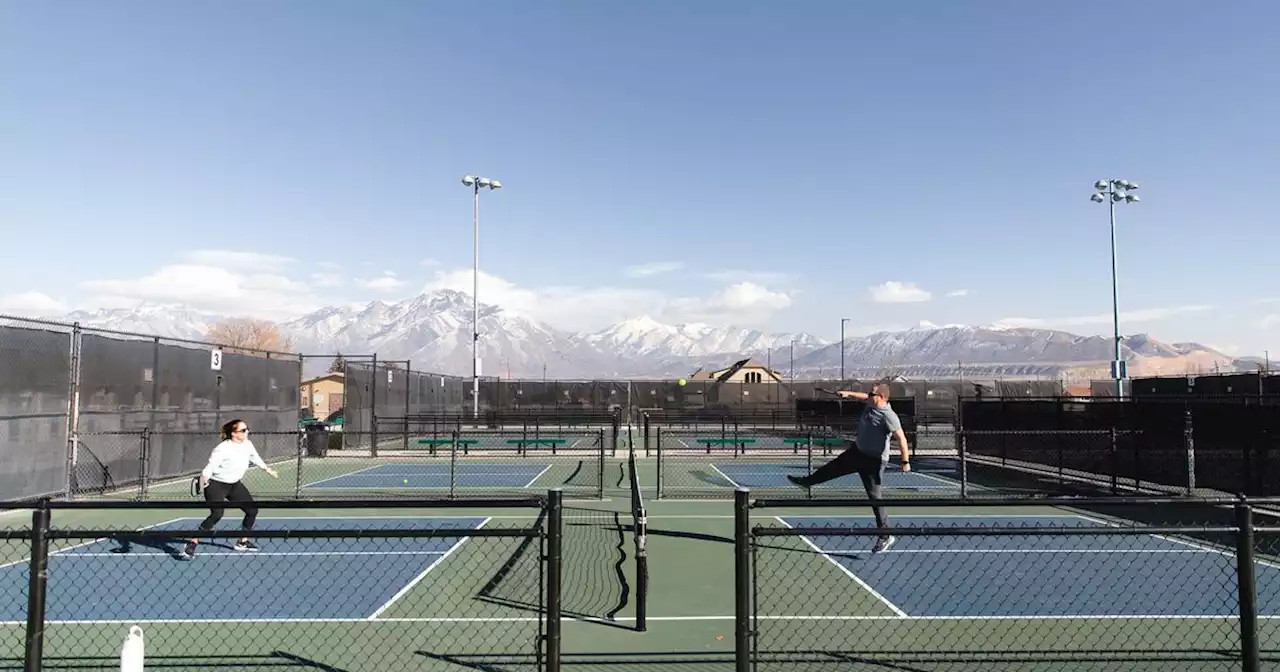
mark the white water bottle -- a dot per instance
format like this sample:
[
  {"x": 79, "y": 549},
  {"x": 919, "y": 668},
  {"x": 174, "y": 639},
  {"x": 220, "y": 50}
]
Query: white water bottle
[{"x": 132, "y": 652}]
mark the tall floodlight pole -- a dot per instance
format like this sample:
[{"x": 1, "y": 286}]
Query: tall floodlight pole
[
  {"x": 1113, "y": 192},
  {"x": 842, "y": 322},
  {"x": 793, "y": 365},
  {"x": 476, "y": 183}
]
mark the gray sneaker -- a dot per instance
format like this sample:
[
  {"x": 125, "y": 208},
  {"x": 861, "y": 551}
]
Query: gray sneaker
[{"x": 883, "y": 544}]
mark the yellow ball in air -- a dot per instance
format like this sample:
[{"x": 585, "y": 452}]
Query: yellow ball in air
[{"x": 681, "y": 382}]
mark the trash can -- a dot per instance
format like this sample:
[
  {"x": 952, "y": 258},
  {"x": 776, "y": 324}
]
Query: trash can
[{"x": 317, "y": 440}]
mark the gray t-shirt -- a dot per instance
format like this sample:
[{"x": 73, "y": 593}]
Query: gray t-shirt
[{"x": 875, "y": 429}]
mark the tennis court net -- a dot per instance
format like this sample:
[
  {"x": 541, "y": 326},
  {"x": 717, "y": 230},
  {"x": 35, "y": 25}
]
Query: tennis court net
[{"x": 640, "y": 523}]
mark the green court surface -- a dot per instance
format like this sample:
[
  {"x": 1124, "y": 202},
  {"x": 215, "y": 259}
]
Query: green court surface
[{"x": 472, "y": 603}]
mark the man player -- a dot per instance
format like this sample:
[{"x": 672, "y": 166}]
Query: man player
[{"x": 868, "y": 455}]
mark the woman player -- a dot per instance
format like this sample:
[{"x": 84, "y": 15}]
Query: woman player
[{"x": 221, "y": 482}]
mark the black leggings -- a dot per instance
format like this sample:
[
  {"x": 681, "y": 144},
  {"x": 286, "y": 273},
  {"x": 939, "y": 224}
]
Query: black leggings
[
  {"x": 852, "y": 460},
  {"x": 217, "y": 491}
]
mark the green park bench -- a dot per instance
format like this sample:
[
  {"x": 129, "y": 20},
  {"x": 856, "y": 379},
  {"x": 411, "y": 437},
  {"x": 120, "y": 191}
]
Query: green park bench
[
  {"x": 436, "y": 443},
  {"x": 740, "y": 442},
  {"x": 824, "y": 441},
  {"x": 522, "y": 445}
]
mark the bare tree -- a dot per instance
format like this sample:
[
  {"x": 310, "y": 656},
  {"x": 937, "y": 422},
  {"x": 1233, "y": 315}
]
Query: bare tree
[{"x": 246, "y": 335}]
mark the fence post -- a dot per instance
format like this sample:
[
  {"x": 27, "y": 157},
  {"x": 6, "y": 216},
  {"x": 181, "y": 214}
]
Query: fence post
[
  {"x": 73, "y": 410},
  {"x": 373, "y": 407},
  {"x": 144, "y": 462},
  {"x": 1188, "y": 433},
  {"x": 742, "y": 580},
  {"x": 36, "y": 589},
  {"x": 300, "y": 447},
  {"x": 555, "y": 528},
  {"x": 1249, "y": 653},
  {"x": 964, "y": 463}
]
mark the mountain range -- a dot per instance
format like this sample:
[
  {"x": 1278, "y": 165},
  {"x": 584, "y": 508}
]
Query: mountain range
[{"x": 433, "y": 332}]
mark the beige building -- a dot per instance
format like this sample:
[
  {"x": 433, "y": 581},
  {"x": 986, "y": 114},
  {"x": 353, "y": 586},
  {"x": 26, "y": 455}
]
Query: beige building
[
  {"x": 749, "y": 371},
  {"x": 322, "y": 395}
]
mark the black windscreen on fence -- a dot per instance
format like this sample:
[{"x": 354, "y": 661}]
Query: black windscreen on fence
[{"x": 35, "y": 375}]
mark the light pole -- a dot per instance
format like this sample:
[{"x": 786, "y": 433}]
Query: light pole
[
  {"x": 842, "y": 321},
  {"x": 793, "y": 365},
  {"x": 1113, "y": 192},
  {"x": 476, "y": 183}
]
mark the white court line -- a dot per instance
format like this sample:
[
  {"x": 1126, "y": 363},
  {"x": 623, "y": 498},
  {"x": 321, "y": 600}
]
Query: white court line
[
  {"x": 409, "y": 586},
  {"x": 254, "y": 554},
  {"x": 1014, "y": 551},
  {"x": 334, "y": 478},
  {"x": 1203, "y": 547},
  {"x": 724, "y": 475},
  {"x": 535, "y": 478},
  {"x": 848, "y": 572},
  {"x": 90, "y": 543},
  {"x": 678, "y": 619}
]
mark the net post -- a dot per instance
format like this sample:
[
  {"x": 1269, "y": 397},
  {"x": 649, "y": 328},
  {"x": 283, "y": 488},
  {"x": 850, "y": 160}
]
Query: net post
[
  {"x": 555, "y": 531},
  {"x": 742, "y": 580},
  {"x": 1115, "y": 463},
  {"x": 453, "y": 462},
  {"x": 808, "y": 468},
  {"x": 646, "y": 435},
  {"x": 600, "y": 479},
  {"x": 37, "y": 584},
  {"x": 1189, "y": 442},
  {"x": 1248, "y": 597},
  {"x": 657, "y": 479}
]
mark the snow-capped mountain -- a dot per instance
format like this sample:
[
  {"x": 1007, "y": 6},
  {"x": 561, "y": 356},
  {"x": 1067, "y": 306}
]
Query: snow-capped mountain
[
  {"x": 433, "y": 332},
  {"x": 149, "y": 319},
  {"x": 954, "y": 349}
]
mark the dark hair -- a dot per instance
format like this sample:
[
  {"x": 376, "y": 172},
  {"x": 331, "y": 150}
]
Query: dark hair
[{"x": 226, "y": 429}]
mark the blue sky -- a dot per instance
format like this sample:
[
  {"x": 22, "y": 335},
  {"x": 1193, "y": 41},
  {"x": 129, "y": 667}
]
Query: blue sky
[{"x": 768, "y": 164}]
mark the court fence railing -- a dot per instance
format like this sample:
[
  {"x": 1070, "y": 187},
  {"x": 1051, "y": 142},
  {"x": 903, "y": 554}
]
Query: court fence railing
[
  {"x": 78, "y": 611},
  {"x": 1124, "y": 583},
  {"x": 702, "y": 461}
]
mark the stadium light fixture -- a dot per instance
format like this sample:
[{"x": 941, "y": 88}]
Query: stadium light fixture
[
  {"x": 1113, "y": 192},
  {"x": 476, "y": 183}
]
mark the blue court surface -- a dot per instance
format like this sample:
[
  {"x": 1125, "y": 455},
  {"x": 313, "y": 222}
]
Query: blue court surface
[
  {"x": 439, "y": 475},
  {"x": 757, "y": 475},
  {"x": 1038, "y": 576},
  {"x": 287, "y": 579}
]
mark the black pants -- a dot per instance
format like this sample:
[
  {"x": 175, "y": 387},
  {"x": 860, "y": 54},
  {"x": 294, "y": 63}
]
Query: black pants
[
  {"x": 852, "y": 460},
  {"x": 217, "y": 491}
]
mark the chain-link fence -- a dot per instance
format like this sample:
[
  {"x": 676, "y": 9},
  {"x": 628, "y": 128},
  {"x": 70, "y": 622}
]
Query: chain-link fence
[
  {"x": 331, "y": 590},
  {"x": 442, "y": 461},
  {"x": 79, "y": 405},
  {"x": 955, "y": 587}
]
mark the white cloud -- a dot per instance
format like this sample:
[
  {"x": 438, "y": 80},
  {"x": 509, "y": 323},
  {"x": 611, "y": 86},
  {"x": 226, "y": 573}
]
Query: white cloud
[
  {"x": 213, "y": 288},
  {"x": 894, "y": 291},
  {"x": 958, "y": 292},
  {"x": 652, "y": 268},
  {"x": 586, "y": 308},
  {"x": 1145, "y": 315},
  {"x": 1269, "y": 321},
  {"x": 236, "y": 259},
  {"x": 32, "y": 304},
  {"x": 742, "y": 303},
  {"x": 388, "y": 282},
  {"x": 326, "y": 279},
  {"x": 738, "y": 275},
  {"x": 429, "y": 262},
  {"x": 330, "y": 266}
]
